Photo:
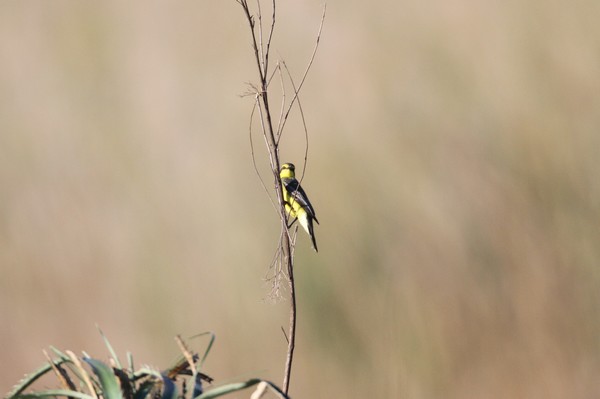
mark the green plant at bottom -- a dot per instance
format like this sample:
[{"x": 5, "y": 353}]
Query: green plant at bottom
[{"x": 88, "y": 378}]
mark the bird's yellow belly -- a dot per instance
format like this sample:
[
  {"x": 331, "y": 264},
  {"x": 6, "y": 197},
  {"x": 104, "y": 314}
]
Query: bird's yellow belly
[
  {"x": 291, "y": 212},
  {"x": 296, "y": 211}
]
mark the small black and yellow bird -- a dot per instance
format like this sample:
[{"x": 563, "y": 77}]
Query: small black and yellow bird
[{"x": 296, "y": 201}]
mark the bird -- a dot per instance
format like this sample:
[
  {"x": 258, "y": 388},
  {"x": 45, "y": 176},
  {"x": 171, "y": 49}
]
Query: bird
[{"x": 296, "y": 201}]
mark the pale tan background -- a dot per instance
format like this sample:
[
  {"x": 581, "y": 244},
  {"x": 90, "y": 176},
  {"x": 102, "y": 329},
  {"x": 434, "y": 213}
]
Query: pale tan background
[{"x": 453, "y": 165}]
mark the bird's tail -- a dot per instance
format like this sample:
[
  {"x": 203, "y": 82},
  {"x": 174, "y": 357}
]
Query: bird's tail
[
  {"x": 311, "y": 232},
  {"x": 307, "y": 222}
]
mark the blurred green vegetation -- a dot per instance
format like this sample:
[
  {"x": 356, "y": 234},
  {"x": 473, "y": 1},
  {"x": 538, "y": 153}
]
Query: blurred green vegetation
[{"x": 453, "y": 165}]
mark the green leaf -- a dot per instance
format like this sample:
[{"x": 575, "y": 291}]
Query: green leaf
[
  {"x": 130, "y": 362},
  {"x": 108, "y": 380},
  {"x": 238, "y": 386},
  {"x": 208, "y": 348},
  {"x": 225, "y": 389},
  {"x": 110, "y": 348},
  {"x": 59, "y": 353},
  {"x": 54, "y": 393},
  {"x": 28, "y": 380}
]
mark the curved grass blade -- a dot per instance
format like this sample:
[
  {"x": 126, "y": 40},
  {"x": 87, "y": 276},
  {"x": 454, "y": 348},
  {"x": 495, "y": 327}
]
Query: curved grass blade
[
  {"x": 108, "y": 381},
  {"x": 31, "y": 378},
  {"x": 85, "y": 377},
  {"x": 238, "y": 386},
  {"x": 208, "y": 348},
  {"x": 59, "y": 353},
  {"x": 130, "y": 362},
  {"x": 110, "y": 348},
  {"x": 56, "y": 393}
]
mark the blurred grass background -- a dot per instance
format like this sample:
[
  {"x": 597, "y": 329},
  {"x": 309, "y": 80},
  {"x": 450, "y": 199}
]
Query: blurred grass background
[{"x": 453, "y": 164}]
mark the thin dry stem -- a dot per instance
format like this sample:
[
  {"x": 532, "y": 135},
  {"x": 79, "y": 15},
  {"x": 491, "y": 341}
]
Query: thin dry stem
[
  {"x": 296, "y": 95},
  {"x": 280, "y": 119},
  {"x": 187, "y": 354},
  {"x": 270, "y": 37},
  {"x": 84, "y": 374},
  {"x": 61, "y": 374},
  {"x": 310, "y": 62},
  {"x": 260, "y": 40},
  {"x": 282, "y": 265},
  {"x": 262, "y": 182}
]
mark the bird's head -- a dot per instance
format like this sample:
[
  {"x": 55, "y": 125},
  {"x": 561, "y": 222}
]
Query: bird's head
[{"x": 287, "y": 171}]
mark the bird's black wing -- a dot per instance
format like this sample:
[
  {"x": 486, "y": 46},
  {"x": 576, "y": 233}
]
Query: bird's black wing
[{"x": 296, "y": 191}]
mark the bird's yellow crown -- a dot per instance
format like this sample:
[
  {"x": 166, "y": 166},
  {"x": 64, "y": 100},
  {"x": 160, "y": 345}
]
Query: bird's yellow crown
[{"x": 287, "y": 171}]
